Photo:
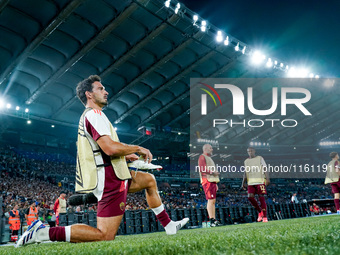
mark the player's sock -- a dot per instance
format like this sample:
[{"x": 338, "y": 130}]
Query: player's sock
[
  {"x": 253, "y": 201},
  {"x": 263, "y": 206},
  {"x": 61, "y": 234},
  {"x": 337, "y": 204},
  {"x": 162, "y": 215}
]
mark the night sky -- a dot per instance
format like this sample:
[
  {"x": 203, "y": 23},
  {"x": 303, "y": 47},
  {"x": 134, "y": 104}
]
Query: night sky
[{"x": 298, "y": 32}]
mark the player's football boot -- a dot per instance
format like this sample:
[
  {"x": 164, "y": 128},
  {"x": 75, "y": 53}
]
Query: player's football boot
[
  {"x": 215, "y": 223},
  {"x": 260, "y": 217},
  {"x": 173, "y": 227},
  {"x": 338, "y": 212},
  {"x": 36, "y": 233},
  {"x": 265, "y": 219},
  {"x": 140, "y": 164}
]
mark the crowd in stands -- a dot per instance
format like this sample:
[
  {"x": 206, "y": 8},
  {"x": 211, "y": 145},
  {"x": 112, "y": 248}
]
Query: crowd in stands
[{"x": 40, "y": 165}]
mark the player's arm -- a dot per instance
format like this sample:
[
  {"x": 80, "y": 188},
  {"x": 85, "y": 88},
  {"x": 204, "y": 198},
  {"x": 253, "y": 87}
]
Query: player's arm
[
  {"x": 266, "y": 174},
  {"x": 56, "y": 204},
  {"x": 99, "y": 129},
  {"x": 243, "y": 185},
  {"x": 117, "y": 149},
  {"x": 337, "y": 167},
  {"x": 202, "y": 165}
]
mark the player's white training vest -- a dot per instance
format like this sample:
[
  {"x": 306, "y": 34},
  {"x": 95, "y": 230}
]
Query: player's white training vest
[
  {"x": 62, "y": 205},
  {"x": 254, "y": 170},
  {"x": 210, "y": 166},
  {"x": 90, "y": 160},
  {"x": 331, "y": 175}
]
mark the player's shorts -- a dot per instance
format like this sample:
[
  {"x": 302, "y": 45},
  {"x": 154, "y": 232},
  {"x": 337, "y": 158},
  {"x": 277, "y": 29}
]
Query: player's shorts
[
  {"x": 336, "y": 187},
  {"x": 259, "y": 189},
  {"x": 210, "y": 189},
  {"x": 113, "y": 201}
]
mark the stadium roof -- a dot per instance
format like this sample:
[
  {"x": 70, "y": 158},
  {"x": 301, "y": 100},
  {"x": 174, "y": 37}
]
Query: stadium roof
[{"x": 145, "y": 54}]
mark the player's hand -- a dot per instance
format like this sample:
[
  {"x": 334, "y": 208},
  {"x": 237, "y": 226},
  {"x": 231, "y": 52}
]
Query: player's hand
[
  {"x": 267, "y": 182},
  {"x": 244, "y": 186},
  {"x": 131, "y": 157},
  {"x": 146, "y": 154}
]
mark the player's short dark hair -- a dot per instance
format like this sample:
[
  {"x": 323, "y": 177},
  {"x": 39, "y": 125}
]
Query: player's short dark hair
[
  {"x": 86, "y": 85},
  {"x": 333, "y": 154}
]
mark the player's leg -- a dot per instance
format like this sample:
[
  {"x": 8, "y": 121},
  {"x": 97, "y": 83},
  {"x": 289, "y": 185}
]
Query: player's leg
[
  {"x": 141, "y": 181},
  {"x": 145, "y": 181},
  {"x": 37, "y": 232},
  {"x": 252, "y": 200},
  {"x": 262, "y": 191},
  {"x": 336, "y": 202},
  {"x": 263, "y": 208},
  {"x": 211, "y": 208},
  {"x": 107, "y": 228}
]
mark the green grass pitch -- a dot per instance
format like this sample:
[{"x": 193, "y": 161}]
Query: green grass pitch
[{"x": 312, "y": 235}]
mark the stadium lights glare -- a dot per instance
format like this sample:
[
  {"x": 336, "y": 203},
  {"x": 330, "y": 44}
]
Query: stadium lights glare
[
  {"x": 167, "y": 3},
  {"x": 178, "y": 6},
  {"x": 244, "y": 49},
  {"x": 311, "y": 75},
  {"x": 237, "y": 47},
  {"x": 275, "y": 62},
  {"x": 257, "y": 57},
  {"x": 317, "y": 76},
  {"x": 8, "y": 106},
  {"x": 179, "y": 133},
  {"x": 195, "y": 18},
  {"x": 27, "y": 110},
  {"x": 219, "y": 37},
  {"x": 2, "y": 103},
  {"x": 251, "y": 143},
  {"x": 52, "y": 126},
  {"x": 329, "y": 143},
  {"x": 226, "y": 41},
  {"x": 115, "y": 128},
  {"x": 269, "y": 63},
  {"x": 29, "y": 122},
  {"x": 17, "y": 108},
  {"x": 203, "y": 26},
  {"x": 297, "y": 72},
  {"x": 281, "y": 65}
]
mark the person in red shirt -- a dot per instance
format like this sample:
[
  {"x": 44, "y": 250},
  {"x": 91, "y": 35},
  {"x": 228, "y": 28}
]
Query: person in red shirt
[
  {"x": 60, "y": 206},
  {"x": 209, "y": 179}
]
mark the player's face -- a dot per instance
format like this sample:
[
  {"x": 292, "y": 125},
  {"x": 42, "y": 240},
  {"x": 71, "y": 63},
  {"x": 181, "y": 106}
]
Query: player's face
[
  {"x": 210, "y": 149},
  {"x": 99, "y": 94},
  {"x": 251, "y": 152}
]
